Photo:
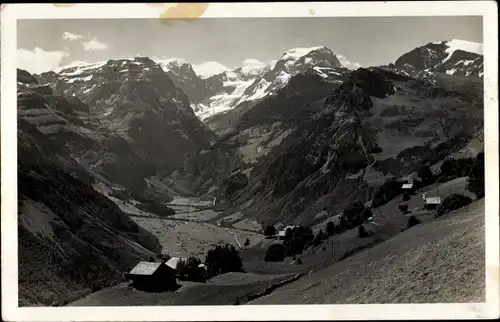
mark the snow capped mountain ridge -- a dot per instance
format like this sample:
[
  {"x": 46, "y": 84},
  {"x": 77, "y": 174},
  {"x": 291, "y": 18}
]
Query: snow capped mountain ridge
[{"x": 453, "y": 57}]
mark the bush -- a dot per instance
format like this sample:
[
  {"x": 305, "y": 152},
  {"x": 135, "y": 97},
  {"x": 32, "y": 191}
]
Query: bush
[
  {"x": 403, "y": 208},
  {"x": 413, "y": 221},
  {"x": 275, "y": 253},
  {"x": 330, "y": 228},
  {"x": 190, "y": 270},
  {"x": 270, "y": 230},
  {"x": 476, "y": 177},
  {"x": 452, "y": 202},
  {"x": 223, "y": 259},
  {"x": 362, "y": 232},
  {"x": 247, "y": 242}
]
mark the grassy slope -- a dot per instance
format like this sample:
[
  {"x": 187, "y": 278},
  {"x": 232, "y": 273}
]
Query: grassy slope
[
  {"x": 438, "y": 261},
  {"x": 221, "y": 291}
]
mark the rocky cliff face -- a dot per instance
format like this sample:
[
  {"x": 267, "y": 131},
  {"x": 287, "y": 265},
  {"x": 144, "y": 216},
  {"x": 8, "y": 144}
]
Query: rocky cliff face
[{"x": 453, "y": 57}]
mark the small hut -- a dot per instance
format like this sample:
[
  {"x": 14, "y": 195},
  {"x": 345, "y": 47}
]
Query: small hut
[
  {"x": 432, "y": 202},
  {"x": 152, "y": 277}
]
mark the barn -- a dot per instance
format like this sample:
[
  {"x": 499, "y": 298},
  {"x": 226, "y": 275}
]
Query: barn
[{"x": 152, "y": 277}]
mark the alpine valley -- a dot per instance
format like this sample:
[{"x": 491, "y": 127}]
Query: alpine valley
[{"x": 127, "y": 159}]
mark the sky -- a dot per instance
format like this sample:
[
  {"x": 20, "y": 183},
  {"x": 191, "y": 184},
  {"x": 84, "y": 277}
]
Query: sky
[{"x": 46, "y": 44}]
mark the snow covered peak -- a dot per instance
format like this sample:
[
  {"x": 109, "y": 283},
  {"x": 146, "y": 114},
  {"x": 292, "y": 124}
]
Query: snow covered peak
[
  {"x": 169, "y": 63},
  {"x": 347, "y": 63},
  {"x": 468, "y": 46},
  {"x": 296, "y": 53},
  {"x": 208, "y": 69}
]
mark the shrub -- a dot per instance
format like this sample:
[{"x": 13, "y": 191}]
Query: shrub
[
  {"x": 362, "y": 232},
  {"x": 247, "y": 242},
  {"x": 223, "y": 259},
  {"x": 413, "y": 221},
  {"x": 275, "y": 253},
  {"x": 476, "y": 177},
  {"x": 403, "y": 208},
  {"x": 330, "y": 228},
  {"x": 269, "y": 230},
  {"x": 452, "y": 202},
  {"x": 190, "y": 270}
]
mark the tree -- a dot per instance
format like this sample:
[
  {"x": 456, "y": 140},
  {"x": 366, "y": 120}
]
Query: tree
[
  {"x": 247, "y": 242},
  {"x": 293, "y": 246},
  {"x": 223, "y": 259},
  {"x": 354, "y": 213},
  {"x": 318, "y": 238},
  {"x": 330, "y": 228},
  {"x": 190, "y": 270},
  {"x": 452, "y": 202},
  {"x": 403, "y": 208},
  {"x": 425, "y": 174},
  {"x": 476, "y": 177},
  {"x": 275, "y": 253},
  {"x": 269, "y": 230}
]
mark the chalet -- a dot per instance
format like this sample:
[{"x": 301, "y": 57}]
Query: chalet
[
  {"x": 432, "y": 202},
  {"x": 407, "y": 186},
  {"x": 281, "y": 234},
  {"x": 152, "y": 277},
  {"x": 173, "y": 262}
]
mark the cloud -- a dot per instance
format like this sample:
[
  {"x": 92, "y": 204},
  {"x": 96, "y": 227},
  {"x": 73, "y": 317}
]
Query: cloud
[
  {"x": 71, "y": 37},
  {"x": 38, "y": 60},
  {"x": 94, "y": 45}
]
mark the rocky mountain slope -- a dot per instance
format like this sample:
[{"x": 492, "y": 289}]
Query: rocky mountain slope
[
  {"x": 72, "y": 238},
  {"x": 377, "y": 124},
  {"x": 453, "y": 57},
  {"x": 136, "y": 103}
]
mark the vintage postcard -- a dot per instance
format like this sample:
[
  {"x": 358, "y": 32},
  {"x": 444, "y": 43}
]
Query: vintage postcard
[{"x": 249, "y": 161}]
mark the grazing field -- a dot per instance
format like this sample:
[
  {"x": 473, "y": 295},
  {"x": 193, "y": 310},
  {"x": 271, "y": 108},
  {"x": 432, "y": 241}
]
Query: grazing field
[
  {"x": 223, "y": 290},
  {"x": 437, "y": 261},
  {"x": 185, "y": 238}
]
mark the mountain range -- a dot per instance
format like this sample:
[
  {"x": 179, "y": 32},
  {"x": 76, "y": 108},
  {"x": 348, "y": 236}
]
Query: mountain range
[{"x": 280, "y": 142}]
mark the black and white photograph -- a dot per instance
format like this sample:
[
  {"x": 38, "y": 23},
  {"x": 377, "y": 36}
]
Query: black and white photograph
[{"x": 174, "y": 156}]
